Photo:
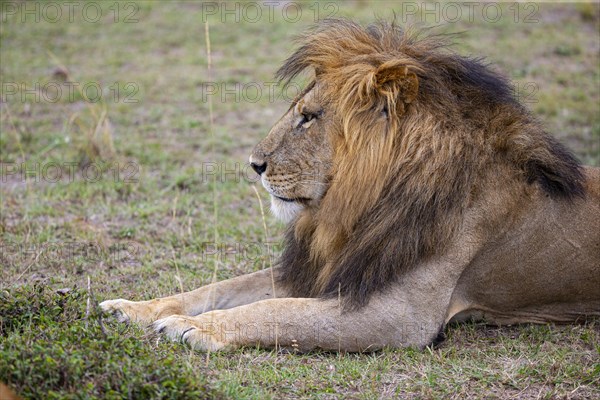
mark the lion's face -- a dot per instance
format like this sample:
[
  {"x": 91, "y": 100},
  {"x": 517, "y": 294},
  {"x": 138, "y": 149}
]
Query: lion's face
[{"x": 295, "y": 159}]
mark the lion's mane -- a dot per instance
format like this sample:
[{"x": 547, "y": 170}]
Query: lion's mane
[{"x": 398, "y": 192}]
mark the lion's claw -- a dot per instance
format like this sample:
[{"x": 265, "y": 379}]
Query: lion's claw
[
  {"x": 193, "y": 331},
  {"x": 116, "y": 309}
]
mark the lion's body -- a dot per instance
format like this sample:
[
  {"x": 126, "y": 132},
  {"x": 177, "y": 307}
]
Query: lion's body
[
  {"x": 418, "y": 191},
  {"x": 542, "y": 266}
]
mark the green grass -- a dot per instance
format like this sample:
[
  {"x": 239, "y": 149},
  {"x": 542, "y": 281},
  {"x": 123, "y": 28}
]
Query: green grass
[
  {"x": 58, "y": 349},
  {"x": 141, "y": 230}
]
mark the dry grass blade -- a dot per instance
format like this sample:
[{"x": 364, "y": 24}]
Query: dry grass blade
[
  {"x": 91, "y": 130},
  {"x": 214, "y": 182},
  {"x": 264, "y": 221}
]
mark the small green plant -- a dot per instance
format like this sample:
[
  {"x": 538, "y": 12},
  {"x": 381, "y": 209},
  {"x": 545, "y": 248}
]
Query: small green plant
[{"x": 55, "y": 346}]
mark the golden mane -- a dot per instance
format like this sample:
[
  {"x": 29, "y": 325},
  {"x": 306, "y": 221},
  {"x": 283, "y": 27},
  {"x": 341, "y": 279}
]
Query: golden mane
[{"x": 399, "y": 189}]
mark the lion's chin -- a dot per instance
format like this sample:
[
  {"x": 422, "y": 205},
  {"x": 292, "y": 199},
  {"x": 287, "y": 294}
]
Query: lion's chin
[{"x": 286, "y": 211}]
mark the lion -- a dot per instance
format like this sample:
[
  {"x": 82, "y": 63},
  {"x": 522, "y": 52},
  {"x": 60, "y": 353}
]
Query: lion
[
  {"x": 6, "y": 393},
  {"x": 417, "y": 191}
]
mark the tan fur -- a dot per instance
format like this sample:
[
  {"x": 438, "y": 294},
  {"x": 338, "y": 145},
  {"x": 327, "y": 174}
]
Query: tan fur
[
  {"x": 6, "y": 393},
  {"x": 417, "y": 190}
]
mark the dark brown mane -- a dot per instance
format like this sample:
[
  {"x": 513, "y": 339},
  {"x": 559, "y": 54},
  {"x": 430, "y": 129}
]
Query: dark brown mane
[{"x": 381, "y": 217}]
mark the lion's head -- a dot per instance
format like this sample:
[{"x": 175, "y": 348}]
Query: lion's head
[
  {"x": 375, "y": 163},
  {"x": 294, "y": 160}
]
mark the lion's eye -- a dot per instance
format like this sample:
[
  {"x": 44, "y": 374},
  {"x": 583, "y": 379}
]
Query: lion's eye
[
  {"x": 307, "y": 120},
  {"x": 308, "y": 117}
]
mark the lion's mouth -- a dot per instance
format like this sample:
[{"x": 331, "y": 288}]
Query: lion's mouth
[{"x": 293, "y": 200}]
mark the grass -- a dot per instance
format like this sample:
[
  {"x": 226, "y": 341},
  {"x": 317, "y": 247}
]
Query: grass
[
  {"x": 58, "y": 349},
  {"x": 140, "y": 223}
]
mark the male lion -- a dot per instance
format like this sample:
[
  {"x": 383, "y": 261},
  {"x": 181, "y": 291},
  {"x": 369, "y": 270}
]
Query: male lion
[{"x": 418, "y": 191}]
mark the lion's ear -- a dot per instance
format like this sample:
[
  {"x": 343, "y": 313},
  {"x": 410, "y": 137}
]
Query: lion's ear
[{"x": 398, "y": 79}]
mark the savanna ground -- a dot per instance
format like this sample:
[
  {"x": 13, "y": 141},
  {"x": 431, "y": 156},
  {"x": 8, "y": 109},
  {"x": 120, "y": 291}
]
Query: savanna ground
[{"x": 132, "y": 192}]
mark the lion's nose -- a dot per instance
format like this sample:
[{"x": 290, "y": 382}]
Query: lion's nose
[{"x": 259, "y": 166}]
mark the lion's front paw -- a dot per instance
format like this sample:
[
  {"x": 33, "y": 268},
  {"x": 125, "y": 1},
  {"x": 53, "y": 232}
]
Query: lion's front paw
[
  {"x": 199, "y": 332},
  {"x": 117, "y": 309},
  {"x": 128, "y": 311},
  {"x": 142, "y": 312}
]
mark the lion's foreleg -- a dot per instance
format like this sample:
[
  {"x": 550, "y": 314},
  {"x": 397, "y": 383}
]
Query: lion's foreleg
[
  {"x": 304, "y": 324},
  {"x": 409, "y": 313},
  {"x": 220, "y": 295}
]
